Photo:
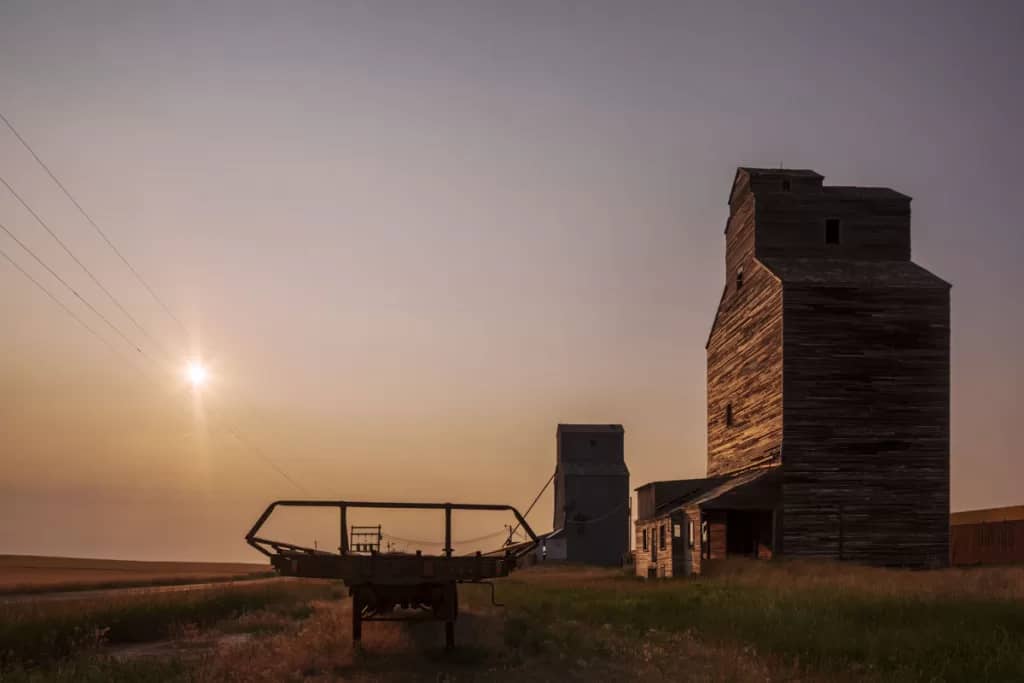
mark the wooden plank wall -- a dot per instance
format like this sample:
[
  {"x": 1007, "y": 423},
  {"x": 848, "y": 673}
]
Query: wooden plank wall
[
  {"x": 866, "y": 458},
  {"x": 874, "y": 224},
  {"x": 666, "y": 559},
  {"x": 744, "y": 366},
  {"x": 693, "y": 513},
  {"x": 716, "y": 520},
  {"x": 988, "y": 543}
]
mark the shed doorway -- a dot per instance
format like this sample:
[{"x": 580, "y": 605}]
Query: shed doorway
[{"x": 748, "y": 533}]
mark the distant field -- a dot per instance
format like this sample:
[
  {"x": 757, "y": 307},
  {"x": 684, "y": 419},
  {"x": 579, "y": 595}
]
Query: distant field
[{"x": 29, "y": 573}]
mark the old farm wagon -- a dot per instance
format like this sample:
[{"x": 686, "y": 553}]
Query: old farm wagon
[{"x": 394, "y": 586}]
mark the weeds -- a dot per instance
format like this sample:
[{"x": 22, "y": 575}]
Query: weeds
[
  {"x": 34, "y": 633},
  {"x": 777, "y": 621},
  {"x": 824, "y": 626}
]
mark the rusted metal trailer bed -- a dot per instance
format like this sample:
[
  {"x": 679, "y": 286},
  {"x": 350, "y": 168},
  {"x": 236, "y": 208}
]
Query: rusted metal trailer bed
[{"x": 380, "y": 583}]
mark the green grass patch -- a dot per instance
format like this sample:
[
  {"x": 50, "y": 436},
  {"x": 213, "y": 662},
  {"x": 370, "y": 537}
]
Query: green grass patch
[{"x": 823, "y": 629}]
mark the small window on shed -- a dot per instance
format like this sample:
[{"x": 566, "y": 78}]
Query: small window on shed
[
  {"x": 786, "y": 185},
  {"x": 739, "y": 279},
  {"x": 645, "y": 539},
  {"x": 661, "y": 537},
  {"x": 677, "y": 531},
  {"x": 728, "y": 415},
  {"x": 689, "y": 532},
  {"x": 832, "y": 231}
]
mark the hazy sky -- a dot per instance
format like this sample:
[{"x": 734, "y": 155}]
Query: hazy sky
[{"x": 410, "y": 238}]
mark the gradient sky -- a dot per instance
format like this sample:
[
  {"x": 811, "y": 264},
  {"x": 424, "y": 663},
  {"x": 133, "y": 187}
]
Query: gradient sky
[{"x": 410, "y": 240}]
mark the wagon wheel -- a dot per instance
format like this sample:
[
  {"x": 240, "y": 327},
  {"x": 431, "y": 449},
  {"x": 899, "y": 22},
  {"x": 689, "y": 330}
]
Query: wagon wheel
[
  {"x": 451, "y": 598},
  {"x": 357, "y": 617}
]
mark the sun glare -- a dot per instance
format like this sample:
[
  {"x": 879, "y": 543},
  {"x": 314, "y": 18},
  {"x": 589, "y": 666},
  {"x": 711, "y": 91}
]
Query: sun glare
[{"x": 196, "y": 374}]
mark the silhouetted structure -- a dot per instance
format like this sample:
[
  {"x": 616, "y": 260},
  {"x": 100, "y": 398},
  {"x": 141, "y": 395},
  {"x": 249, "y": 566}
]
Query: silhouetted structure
[
  {"x": 592, "y": 494},
  {"x": 827, "y": 390}
]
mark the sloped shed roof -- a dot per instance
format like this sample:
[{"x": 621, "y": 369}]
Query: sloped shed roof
[
  {"x": 757, "y": 488},
  {"x": 990, "y": 515},
  {"x": 840, "y": 272}
]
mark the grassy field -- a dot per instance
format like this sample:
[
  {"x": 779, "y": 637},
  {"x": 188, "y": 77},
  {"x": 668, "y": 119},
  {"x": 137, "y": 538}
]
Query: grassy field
[
  {"x": 28, "y": 573},
  {"x": 747, "y": 622}
]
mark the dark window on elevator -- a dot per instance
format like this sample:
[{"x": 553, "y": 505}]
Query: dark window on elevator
[
  {"x": 645, "y": 539},
  {"x": 786, "y": 185},
  {"x": 739, "y": 279},
  {"x": 832, "y": 231},
  {"x": 728, "y": 415}
]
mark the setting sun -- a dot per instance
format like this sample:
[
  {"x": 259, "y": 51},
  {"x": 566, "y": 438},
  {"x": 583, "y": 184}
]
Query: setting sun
[{"x": 196, "y": 374}]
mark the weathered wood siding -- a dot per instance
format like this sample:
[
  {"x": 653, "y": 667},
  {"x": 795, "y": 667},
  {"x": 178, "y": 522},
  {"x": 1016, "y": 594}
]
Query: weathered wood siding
[
  {"x": 692, "y": 512},
  {"x": 988, "y": 543},
  {"x": 866, "y": 415},
  {"x": 874, "y": 223},
  {"x": 717, "y": 529},
  {"x": 662, "y": 560},
  {"x": 678, "y": 558},
  {"x": 744, "y": 366}
]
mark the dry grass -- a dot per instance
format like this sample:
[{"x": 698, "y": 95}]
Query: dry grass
[
  {"x": 320, "y": 649},
  {"x": 777, "y": 621},
  {"x": 28, "y": 573},
  {"x": 39, "y": 632},
  {"x": 981, "y": 583}
]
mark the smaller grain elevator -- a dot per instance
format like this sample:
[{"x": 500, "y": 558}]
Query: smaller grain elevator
[{"x": 592, "y": 493}]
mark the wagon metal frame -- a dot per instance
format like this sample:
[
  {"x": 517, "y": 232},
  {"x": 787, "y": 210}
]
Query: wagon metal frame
[{"x": 380, "y": 582}]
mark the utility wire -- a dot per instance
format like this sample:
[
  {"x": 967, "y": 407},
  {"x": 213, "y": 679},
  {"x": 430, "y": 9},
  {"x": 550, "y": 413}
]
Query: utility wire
[
  {"x": 225, "y": 425},
  {"x": 93, "y": 223},
  {"x": 455, "y": 542},
  {"x": 57, "y": 301},
  {"x": 106, "y": 342},
  {"x": 82, "y": 266},
  {"x": 527, "y": 513},
  {"x": 233, "y": 431},
  {"x": 600, "y": 518},
  {"x": 73, "y": 290}
]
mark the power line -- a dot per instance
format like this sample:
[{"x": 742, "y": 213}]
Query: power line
[
  {"x": 600, "y": 518},
  {"x": 233, "y": 431},
  {"x": 224, "y": 424},
  {"x": 93, "y": 223},
  {"x": 72, "y": 290},
  {"x": 525, "y": 514},
  {"x": 455, "y": 542},
  {"x": 81, "y": 265},
  {"x": 55, "y": 300}
]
